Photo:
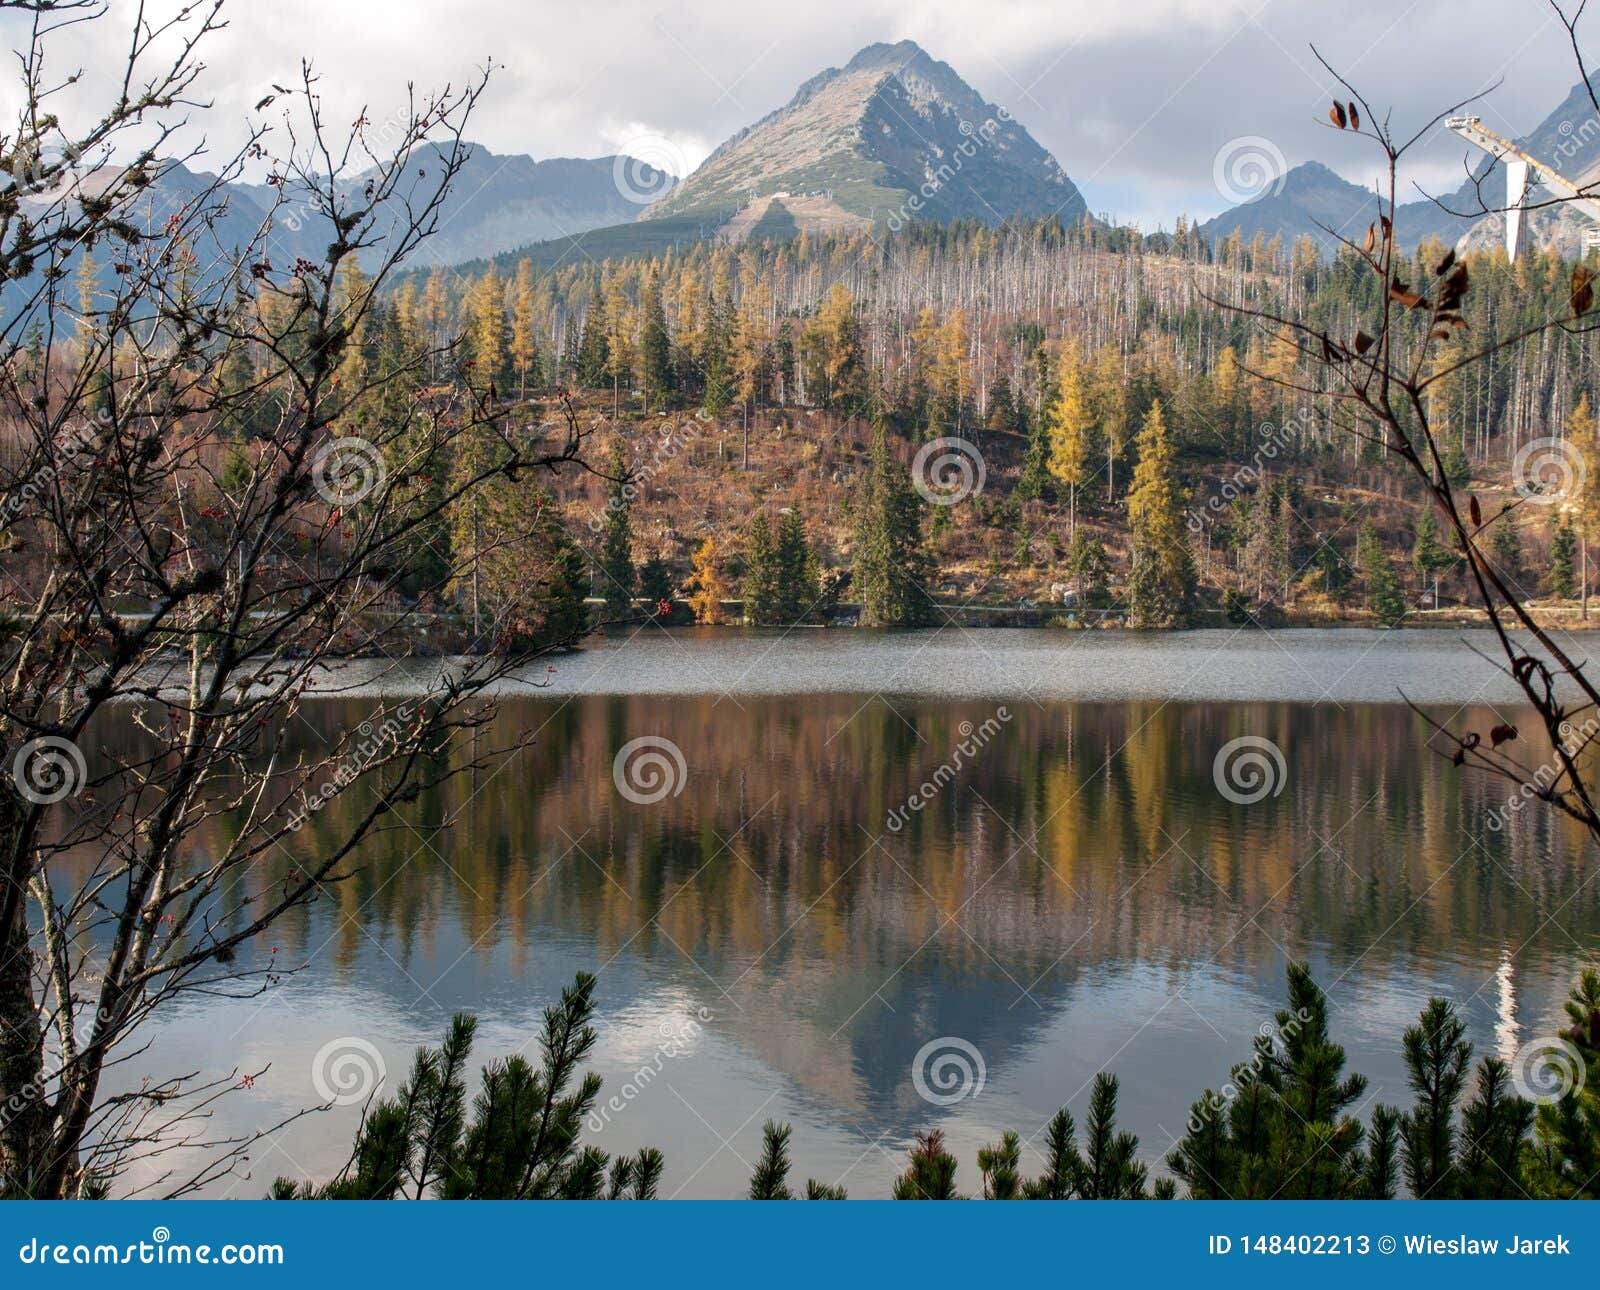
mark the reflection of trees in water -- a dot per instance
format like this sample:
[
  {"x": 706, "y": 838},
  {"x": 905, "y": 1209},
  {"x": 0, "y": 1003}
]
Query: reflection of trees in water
[
  {"x": 1099, "y": 825},
  {"x": 1078, "y": 836}
]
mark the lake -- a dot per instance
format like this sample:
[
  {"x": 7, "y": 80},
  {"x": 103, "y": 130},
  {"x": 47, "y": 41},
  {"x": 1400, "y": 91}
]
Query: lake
[{"x": 842, "y": 858}]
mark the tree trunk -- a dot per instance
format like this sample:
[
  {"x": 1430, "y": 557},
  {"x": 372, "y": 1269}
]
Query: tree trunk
[{"x": 24, "y": 1112}]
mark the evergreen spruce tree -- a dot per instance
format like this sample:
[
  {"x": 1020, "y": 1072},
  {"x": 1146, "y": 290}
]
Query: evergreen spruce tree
[
  {"x": 616, "y": 551},
  {"x": 594, "y": 350},
  {"x": 1565, "y": 1160},
  {"x": 1035, "y": 473},
  {"x": 1090, "y": 568},
  {"x": 1437, "y": 1054},
  {"x": 762, "y": 603},
  {"x": 655, "y": 588},
  {"x": 1002, "y": 416},
  {"x": 1427, "y": 553},
  {"x": 716, "y": 357},
  {"x": 1494, "y": 1137},
  {"x": 1384, "y": 597},
  {"x": 1284, "y": 1133},
  {"x": 797, "y": 570},
  {"x": 1563, "y": 556},
  {"x": 891, "y": 569},
  {"x": 1507, "y": 547},
  {"x": 655, "y": 345}
]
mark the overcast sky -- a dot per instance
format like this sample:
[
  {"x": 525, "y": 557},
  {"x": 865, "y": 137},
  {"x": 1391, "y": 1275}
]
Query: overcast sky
[{"x": 1134, "y": 97}]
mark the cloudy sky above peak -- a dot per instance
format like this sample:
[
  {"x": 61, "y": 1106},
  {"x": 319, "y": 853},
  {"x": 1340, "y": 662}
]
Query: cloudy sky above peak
[{"x": 1136, "y": 99}]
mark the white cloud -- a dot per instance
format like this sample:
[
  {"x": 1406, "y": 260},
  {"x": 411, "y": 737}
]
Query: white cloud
[{"x": 1133, "y": 98}]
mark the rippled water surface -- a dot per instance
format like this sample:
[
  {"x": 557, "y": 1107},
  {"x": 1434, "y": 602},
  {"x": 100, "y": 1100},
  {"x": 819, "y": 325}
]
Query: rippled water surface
[{"x": 784, "y": 935}]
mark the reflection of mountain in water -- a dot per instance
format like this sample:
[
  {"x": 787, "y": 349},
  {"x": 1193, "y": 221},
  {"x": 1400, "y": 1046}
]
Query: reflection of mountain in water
[{"x": 1078, "y": 843}]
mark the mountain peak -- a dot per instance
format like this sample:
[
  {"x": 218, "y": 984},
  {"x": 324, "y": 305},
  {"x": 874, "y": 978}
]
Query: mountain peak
[
  {"x": 893, "y": 135},
  {"x": 890, "y": 57}
]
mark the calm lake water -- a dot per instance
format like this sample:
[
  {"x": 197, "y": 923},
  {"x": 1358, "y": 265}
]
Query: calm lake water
[{"x": 1074, "y": 893}]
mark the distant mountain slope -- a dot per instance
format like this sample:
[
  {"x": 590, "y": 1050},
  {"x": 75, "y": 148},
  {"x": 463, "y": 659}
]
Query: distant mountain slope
[
  {"x": 891, "y": 135},
  {"x": 501, "y": 202},
  {"x": 1311, "y": 195},
  {"x": 497, "y": 203}
]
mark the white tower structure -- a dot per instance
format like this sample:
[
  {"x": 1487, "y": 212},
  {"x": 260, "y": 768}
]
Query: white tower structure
[{"x": 1523, "y": 173}]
